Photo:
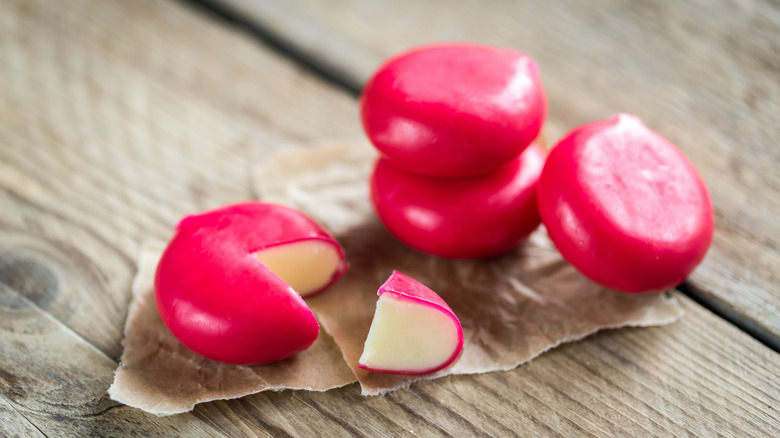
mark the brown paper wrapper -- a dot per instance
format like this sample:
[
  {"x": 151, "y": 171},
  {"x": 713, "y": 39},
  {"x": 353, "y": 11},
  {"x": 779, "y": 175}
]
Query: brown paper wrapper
[{"x": 512, "y": 307}]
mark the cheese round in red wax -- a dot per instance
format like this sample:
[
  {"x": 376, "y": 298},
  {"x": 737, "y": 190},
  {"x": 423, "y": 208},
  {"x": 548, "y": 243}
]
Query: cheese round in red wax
[
  {"x": 625, "y": 206},
  {"x": 454, "y": 110},
  {"x": 475, "y": 217},
  {"x": 229, "y": 285}
]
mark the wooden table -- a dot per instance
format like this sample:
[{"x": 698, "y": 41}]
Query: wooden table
[{"x": 119, "y": 117}]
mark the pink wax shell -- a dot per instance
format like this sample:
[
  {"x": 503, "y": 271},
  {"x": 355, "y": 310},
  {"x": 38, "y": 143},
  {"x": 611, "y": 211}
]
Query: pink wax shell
[
  {"x": 217, "y": 298},
  {"x": 625, "y": 206},
  {"x": 454, "y": 110},
  {"x": 465, "y": 218}
]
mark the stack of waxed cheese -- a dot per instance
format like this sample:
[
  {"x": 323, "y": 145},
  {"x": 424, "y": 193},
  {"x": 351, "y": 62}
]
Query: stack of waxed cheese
[
  {"x": 459, "y": 176},
  {"x": 455, "y": 125}
]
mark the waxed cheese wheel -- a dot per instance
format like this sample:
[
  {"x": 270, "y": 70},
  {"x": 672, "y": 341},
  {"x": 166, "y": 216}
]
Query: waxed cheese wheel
[
  {"x": 464, "y": 218},
  {"x": 625, "y": 206},
  {"x": 229, "y": 283},
  {"x": 454, "y": 110}
]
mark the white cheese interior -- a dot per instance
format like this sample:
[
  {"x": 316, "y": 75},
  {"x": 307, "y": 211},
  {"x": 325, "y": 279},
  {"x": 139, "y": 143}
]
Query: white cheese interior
[
  {"x": 408, "y": 336},
  {"x": 307, "y": 265}
]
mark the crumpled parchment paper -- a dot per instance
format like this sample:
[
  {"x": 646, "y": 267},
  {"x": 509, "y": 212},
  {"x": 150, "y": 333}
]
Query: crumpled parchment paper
[{"x": 512, "y": 307}]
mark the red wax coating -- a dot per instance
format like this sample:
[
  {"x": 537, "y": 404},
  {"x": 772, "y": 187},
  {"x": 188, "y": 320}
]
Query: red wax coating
[
  {"x": 476, "y": 217},
  {"x": 625, "y": 206},
  {"x": 454, "y": 110},
  {"x": 407, "y": 288},
  {"x": 220, "y": 301}
]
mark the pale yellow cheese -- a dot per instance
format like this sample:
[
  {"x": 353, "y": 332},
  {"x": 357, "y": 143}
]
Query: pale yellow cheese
[
  {"x": 408, "y": 336},
  {"x": 307, "y": 266}
]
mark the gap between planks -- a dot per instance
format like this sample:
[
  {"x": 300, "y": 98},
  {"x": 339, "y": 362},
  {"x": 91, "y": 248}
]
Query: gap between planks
[
  {"x": 723, "y": 311},
  {"x": 229, "y": 17},
  {"x": 216, "y": 10}
]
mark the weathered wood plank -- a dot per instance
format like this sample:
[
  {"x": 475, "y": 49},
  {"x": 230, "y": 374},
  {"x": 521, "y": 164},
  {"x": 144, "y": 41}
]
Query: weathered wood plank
[
  {"x": 57, "y": 381},
  {"x": 112, "y": 130},
  {"x": 703, "y": 73},
  {"x": 14, "y": 424}
]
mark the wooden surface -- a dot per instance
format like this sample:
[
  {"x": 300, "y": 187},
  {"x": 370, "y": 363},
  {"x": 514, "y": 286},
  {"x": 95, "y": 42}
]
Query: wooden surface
[
  {"x": 704, "y": 73},
  {"x": 120, "y": 117}
]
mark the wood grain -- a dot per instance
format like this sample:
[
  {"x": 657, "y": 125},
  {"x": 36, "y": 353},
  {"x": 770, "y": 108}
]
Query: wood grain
[
  {"x": 703, "y": 73},
  {"x": 116, "y": 125},
  {"x": 14, "y": 423},
  {"x": 57, "y": 381},
  {"x": 113, "y": 131}
]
